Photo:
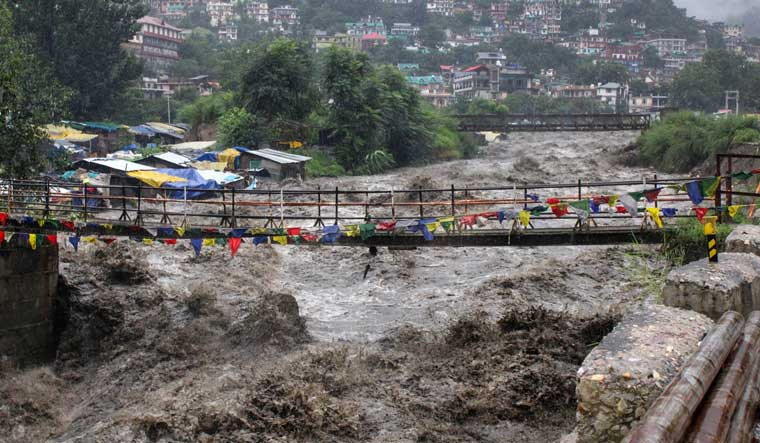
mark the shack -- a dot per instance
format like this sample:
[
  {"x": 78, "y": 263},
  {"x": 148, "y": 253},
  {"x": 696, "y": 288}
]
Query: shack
[
  {"x": 117, "y": 170},
  {"x": 166, "y": 160},
  {"x": 280, "y": 165}
]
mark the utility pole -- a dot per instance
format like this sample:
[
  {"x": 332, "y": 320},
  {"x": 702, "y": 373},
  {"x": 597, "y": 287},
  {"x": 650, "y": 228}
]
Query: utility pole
[
  {"x": 169, "y": 107},
  {"x": 733, "y": 95}
]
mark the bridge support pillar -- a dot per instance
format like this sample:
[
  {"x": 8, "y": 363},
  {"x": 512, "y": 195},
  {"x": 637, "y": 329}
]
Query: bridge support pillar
[{"x": 28, "y": 286}]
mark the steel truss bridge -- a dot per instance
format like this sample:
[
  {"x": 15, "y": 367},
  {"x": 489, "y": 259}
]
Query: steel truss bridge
[{"x": 553, "y": 122}]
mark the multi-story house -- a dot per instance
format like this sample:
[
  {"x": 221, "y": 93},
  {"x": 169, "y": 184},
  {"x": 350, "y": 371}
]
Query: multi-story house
[
  {"x": 157, "y": 42},
  {"x": 573, "y": 91},
  {"x": 478, "y": 81},
  {"x": 228, "y": 32},
  {"x": 499, "y": 11},
  {"x": 612, "y": 94},
  {"x": 440, "y": 7},
  {"x": 432, "y": 89},
  {"x": 321, "y": 41},
  {"x": 258, "y": 11},
  {"x": 220, "y": 12},
  {"x": 639, "y": 104},
  {"x": 404, "y": 31},
  {"x": 666, "y": 46},
  {"x": 284, "y": 18},
  {"x": 369, "y": 25}
]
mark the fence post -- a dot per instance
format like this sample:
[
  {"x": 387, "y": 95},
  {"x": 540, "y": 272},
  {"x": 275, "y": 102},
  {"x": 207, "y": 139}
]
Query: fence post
[
  {"x": 393, "y": 205},
  {"x": 124, "y": 216},
  {"x": 712, "y": 242},
  {"x": 422, "y": 215},
  {"x": 47, "y": 197},
  {"x": 84, "y": 200},
  {"x": 718, "y": 159},
  {"x": 319, "y": 222},
  {"x": 232, "y": 223},
  {"x": 138, "y": 218},
  {"x": 336, "y": 205},
  {"x": 366, "y": 207},
  {"x": 580, "y": 191},
  {"x": 453, "y": 202},
  {"x": 525, "y": 197}
]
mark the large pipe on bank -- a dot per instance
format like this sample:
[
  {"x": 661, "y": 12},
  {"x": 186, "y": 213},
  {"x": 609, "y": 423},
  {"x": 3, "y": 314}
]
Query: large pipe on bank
[
  {"x": 670, "y": 415},
  {"x": 713, "y": 421}
]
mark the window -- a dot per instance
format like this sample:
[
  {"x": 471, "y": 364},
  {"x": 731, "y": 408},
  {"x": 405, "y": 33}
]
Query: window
[{"x": 254, "y": 164}]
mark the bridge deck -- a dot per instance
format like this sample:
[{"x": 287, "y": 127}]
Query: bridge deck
[{"x": 553, "y": 122}]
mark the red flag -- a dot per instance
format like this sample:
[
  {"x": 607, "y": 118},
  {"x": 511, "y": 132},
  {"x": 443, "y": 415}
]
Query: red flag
[
  {"x": 386, "y": 226},
  {"x": 234, "y": 245},
  {"x": 489, "y": 215},
  {"x": 53, "y": 239},
  {"x": 559, "y": 210},
  {"x": 552, "y": 201},
  {"x": 68, "y": 224},
  {"x": 108, "y": 241},
  {"x": 170, "y": 241},
  {"x": 294, "y": 232},
  {"x": 701, "y": 212},
  {"x": 621, "y": 210},
  {"x": 309, "y": 237},
  {"x": 468, "y": 220},
  {"x": 3, "y": 218},
  {"x": 2, "y": 237},
  {"x": 652, "y": 194}
]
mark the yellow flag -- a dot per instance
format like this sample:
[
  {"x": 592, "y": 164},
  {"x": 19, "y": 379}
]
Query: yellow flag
[
  {"x": 107, "y": 226},
  {"x": 733, "y": 210},
  {"x": 33, "y": 241},
  {"x": 258, "y": 231},
  {"x": 352, "y": 230},
  {"x": 525, "y": 218},
  {"x": 612, "y": 200},
  {"x": 281, "y": 239},
  {"x": 41, "y": 222},
  {"x": 90, "y": 239},
  {"x": 433, "y": 226},
  {"x": 148, "y": 241},
  {"x": 655, "y": 214},
  {"x": 209, "y": 242},
  {"x": 180, "y": 231}
]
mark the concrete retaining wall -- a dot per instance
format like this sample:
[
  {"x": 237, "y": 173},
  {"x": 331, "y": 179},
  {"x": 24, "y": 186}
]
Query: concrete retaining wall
[
  {"x": 28, "y": 286},
  {"x": 630, "y": 368}
]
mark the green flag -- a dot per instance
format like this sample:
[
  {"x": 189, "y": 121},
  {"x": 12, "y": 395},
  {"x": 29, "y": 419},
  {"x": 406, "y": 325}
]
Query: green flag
[
  {"x": 582, "y": 205},
  {"x": 367, "y": 230},
  {"x": 709, "y": 187},
  {"x": 743, "y": 175},
  {"x": 636, "y": 196}
]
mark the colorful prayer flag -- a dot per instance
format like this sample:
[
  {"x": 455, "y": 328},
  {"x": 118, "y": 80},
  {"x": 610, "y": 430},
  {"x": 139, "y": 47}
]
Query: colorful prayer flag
[
  {"x": 652, "y": 194},
  {"x": 33, "y": 241},
  {"x": 367, "y": 230},
  {"x": 695, "y": 192},
  {"x": 52, "y": 239},
  {"x": 655, "y": 214},
  {"x": 701, "y": 212},
  {"x": 447, "y": 223},
  {"x": 41, "y": 222},
  {"x": 209, "y": 242},
  {"x": 234, "y": 245},
  {"x": 259, "y": 239},
  {"x": 630, "y": 203},
  {"x": 733, "y": 210},
  {"x": 525, "y": 218},
  {"x": 170, "y": 241},
  {"x": 180, "y": 231},
  {"x": 709, "y": 187},
  {"x": 2, "y": 237},
  {"x": 294, "y": 232},
  {"x": 3, "y": 218},
  {"x": 148, "y": 241},
  {"x": 197, "y": 245},
  {"x": 281, "y": 239},
  {"x": 743, "y": 175},
  {"x": 74, "y": 240},
  {"x": 559, "y": 209}
]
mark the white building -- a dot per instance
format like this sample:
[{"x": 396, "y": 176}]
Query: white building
[
  {"x": 220, "y": 12},
  {"x": 612, "y": 94},
  {"x": 284, "y": 18},
  {"x": 258, "y": 11},
  {"x": 440, "y": 7}
]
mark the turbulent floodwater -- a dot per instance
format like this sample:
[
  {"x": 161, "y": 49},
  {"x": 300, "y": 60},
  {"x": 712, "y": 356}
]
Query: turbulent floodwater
[{"x": 294, "y": 344}]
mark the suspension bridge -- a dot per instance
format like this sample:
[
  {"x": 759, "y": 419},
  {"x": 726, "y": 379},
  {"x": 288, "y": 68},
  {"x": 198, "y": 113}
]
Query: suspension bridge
[{"x": 553, "y": 122}]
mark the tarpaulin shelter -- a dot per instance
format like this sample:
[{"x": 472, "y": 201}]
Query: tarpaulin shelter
[
  {"x": 223, "y": 178},
  {"x": 154, "y": 178},
  {"x": 230, "y": 156},
  {"x": 193, "y": 180},
  {"x": 207, "y": 157},
  {"x": 64, "y": 133}
]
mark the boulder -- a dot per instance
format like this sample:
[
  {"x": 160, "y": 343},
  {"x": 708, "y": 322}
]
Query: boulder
[
  {"x": 744, "y": 238},
  {"x": 630, "y": 368},
  {"x": 733, "y": 284}
]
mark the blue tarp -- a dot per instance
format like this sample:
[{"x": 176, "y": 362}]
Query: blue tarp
[
  {"x": 142, "y": 130},
  {"x": 132, "y": 147},
  {"x": 194, "y": 181},
  {"x": 207, "y": 157}
]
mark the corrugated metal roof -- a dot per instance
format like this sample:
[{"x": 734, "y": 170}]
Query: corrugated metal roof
[
  {"x": 171, "y": 157},
  {"x": 118, "y": 164},
  {"x": 279, "y": 156}
]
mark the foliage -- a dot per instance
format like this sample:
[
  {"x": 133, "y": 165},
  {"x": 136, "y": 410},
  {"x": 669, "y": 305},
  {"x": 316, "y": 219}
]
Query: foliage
[
  {"x": 278, "y": 84},
  {"x": 321, "y": 164},
  {"x": 538, "y": 55},
  {"x": 650, "y": 58},
  {"x": 579, "y": 17},
  {"x": 684, "y": 140},
  {"x": 522, "y": 103},
  {"x": 29, "y": 98},
  {"x": 480, "y": 106},
  {"x": 205, "y": 110},
  {"x": 81, "y": 40},
  {"x": 701, "y": 86},
  {"x": 687, "y": 243},
  {"x": 589, "y": 73},
  {"x": 659, "y": 15},
  {"x": 238, "y": 127}
]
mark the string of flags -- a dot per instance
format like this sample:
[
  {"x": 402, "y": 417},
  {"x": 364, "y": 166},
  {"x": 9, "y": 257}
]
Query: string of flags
[{"x": 583, "y": 210}]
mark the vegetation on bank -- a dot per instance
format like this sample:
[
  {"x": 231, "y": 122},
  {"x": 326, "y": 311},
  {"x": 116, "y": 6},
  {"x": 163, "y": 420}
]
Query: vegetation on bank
[
  {"x": 684, "y": 140},
  {"x": 687, "y": 243}
]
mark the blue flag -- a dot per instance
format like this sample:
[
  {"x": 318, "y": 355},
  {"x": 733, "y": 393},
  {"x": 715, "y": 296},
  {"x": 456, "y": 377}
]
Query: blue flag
[
  {"x": 238, "y": 232},
  {"x": 259, "y": 239},
  {"x": 197, "y": 245},
  {"x": 74, "y": 240},
  {"x": 695, "y": 192}
]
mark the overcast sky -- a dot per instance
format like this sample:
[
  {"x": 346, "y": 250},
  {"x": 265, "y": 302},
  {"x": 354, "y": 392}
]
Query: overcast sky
[{"x": 716, "y": 10}]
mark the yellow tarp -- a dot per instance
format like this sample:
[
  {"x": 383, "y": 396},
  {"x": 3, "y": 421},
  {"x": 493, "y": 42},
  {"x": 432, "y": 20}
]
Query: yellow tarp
[
  {"x": 209, "y": 166},
  {"x": 228, "y": 156},
  {"x": 153, "y": 178},
  {"x": 69, "y": 134}
]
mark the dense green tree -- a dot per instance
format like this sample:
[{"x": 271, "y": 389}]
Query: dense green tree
[
  {"x": 432, "y": 36},
  {"x": 650, "y": 58},
  {"x": 29, "y": 98},
  {"x": 697, "y": 87},
  {"x": 538, "y": 55},
  {"x": 277, "y": 83},
  {"x": 715, "y": 39},
  {"x": 592, "y": 73},
  {"x": 81, "y": 40},
  {"x": 579, "y": 17},
  {"x": 659, "y": 15},
  {"x": 238, "y": 127}
]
